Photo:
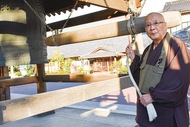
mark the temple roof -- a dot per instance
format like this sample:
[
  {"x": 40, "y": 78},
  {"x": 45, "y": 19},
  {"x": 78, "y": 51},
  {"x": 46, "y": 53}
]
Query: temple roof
[
  {"x": 179, "y": 5},
  {"x": 57, "y": 6}
]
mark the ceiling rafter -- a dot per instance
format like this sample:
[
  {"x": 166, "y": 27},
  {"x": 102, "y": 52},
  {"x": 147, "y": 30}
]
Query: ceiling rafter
[
  {"x": 120, "y": 5},
  {"x": 92, "y": 17}
]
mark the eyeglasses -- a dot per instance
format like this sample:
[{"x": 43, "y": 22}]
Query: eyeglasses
[{"x": 155, "y": 23}]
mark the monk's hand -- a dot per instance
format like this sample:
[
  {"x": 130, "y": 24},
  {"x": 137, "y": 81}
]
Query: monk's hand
[
  {"x": 129, "y": 51},
  {"x": 146, "y": 99}
]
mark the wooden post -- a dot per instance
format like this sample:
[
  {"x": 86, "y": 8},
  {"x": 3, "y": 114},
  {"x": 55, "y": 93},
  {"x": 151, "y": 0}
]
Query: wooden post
[
  {"x": 4, "y": 71},
  {"x": 41, "y": 85},
  {"x": 40, "y": 73},
  {"x": 4, "y": 91}
]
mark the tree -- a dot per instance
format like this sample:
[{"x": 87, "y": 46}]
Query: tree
[
  {"x": 63, "y": 65},
  {"x": 57, "y": 59}
]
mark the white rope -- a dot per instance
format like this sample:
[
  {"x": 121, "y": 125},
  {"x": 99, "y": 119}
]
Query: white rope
[{"x": 150, "y": 108}]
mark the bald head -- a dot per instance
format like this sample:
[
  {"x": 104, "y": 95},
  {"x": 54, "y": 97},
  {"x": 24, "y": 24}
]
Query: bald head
[
  {"x": 156, "y": 15},
  {"x": 155, "y": 26}
]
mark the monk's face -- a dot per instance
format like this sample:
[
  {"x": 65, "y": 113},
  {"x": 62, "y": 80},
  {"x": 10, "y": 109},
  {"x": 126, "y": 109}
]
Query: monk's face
[{"x": 155, "y": 27}]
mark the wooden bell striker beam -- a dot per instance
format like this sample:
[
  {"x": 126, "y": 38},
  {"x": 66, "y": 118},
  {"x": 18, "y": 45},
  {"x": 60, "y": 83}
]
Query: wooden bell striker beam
[{"x": 108, "y": 28}]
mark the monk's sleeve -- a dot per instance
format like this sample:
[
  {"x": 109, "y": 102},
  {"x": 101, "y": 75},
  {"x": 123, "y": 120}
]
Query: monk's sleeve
[{"x": 173, "y": 87}]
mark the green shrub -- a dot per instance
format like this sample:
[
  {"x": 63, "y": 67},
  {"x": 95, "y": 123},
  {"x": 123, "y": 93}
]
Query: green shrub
[
  {"x": 123, "y": 70},
  {"x": 17, "y": 73}
]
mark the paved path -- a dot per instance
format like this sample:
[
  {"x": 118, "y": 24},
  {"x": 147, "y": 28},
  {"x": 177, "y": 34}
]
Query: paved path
[
  {"x": 72, "y": 117},
  {"x": 83, "y": 114}
]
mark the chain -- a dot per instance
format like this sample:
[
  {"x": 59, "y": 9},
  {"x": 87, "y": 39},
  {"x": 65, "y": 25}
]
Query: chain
[
  {"x": 133, "y": 38},
  {"x": 139, "y": 12},
  {"x": 134, "y": 14},
  {"x": 69, "y": 15}
]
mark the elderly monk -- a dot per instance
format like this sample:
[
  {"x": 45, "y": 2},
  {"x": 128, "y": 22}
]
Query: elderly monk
[{"x": 163, "y": 76}]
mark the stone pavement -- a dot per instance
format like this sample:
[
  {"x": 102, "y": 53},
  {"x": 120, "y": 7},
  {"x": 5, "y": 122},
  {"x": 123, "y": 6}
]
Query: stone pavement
[
  {"x": 71, "y": 117},
  {"x": 84, "y": 114}
]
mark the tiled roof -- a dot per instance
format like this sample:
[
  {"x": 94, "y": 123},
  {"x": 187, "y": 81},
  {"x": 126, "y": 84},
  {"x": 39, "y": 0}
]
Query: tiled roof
[
  {"x": 179, "y": 5},
  {"x": 84, "y": 48},
  {"x": 103, "y": 51},
  {"x": 53, "y": 7},
  {"x": 184, "y": 35},
  {"x": 100, "y": 54}
]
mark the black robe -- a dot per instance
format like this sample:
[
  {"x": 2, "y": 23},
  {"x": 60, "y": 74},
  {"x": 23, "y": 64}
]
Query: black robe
[{"x": 170, "y": 94}]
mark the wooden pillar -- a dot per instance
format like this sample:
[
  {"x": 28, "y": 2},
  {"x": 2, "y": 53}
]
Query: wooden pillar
[
  {"x": 41, "y": 85},
  {"x": 4, "y": 72},
  {"x": 108, "y": 65},
  {"x": 40, "y": 72},
  {"x": 4, "y": 91}
]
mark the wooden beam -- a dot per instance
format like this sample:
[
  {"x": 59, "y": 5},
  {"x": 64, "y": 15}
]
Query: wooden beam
[
  {"x": 96, "y": 16},
  {"x": 17, "y": 81},
  {"x": 16, "y": 109},
  {"x": 4, "y": 83},
  {"x": 120, "y": 5},
  {"x": 91, "y": 31},
  {"x": 80, "y": 78},
  {"x": 107, "y": 28},
  {"x": 5, "y": 77}
]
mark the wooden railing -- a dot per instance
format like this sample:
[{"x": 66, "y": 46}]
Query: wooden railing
[{"x": 16, "y": 109}]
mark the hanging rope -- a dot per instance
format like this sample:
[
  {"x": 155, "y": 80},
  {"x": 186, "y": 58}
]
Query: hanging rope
[{"x": 150, "y": 108}]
